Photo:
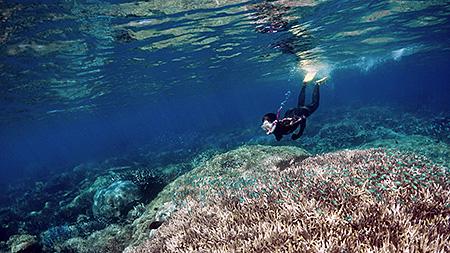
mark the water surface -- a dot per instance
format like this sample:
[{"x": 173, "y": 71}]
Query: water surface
[{"x": 86, "y": 80}]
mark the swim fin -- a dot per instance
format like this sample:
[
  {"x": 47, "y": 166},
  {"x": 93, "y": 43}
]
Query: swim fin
[
  {"x": 309, "y": 76},
  {"x": 322, "y": 80}
]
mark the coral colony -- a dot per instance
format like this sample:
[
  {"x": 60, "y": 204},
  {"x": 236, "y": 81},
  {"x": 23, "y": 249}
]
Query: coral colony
[{"x": 348, "y": 201}]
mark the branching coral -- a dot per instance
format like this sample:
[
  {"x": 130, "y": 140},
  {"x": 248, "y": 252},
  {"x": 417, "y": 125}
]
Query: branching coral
[{"x": 348, "y": 201}]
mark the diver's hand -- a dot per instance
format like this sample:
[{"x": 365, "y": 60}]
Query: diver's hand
[{"x": 295, "y": 137}]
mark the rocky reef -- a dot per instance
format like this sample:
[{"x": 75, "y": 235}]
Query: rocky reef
[{"x": 74, "y": 209}]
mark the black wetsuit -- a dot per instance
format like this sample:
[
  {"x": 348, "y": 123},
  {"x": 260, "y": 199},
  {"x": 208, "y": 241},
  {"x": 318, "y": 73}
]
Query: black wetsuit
[{"x": 298, "y": 115}]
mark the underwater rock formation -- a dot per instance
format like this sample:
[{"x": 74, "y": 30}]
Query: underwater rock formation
[
  {"x": 270, "y": 199},
  {"x": 56, "y": 235},
  {"x": 111, "y": 239},
  {"x": 59, "y": 210},
  {"x": 114, "y": 201},
  {"x": 23, "y": 244}
]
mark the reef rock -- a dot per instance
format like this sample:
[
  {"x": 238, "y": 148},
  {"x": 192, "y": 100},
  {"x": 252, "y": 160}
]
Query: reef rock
[
  {"x": 114, "y": 201},
  {"x": 23, "y": 244}
]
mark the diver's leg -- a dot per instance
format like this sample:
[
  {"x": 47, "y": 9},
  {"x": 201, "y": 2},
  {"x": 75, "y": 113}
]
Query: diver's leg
[
  {"x": 301, "y": 96},
  {"x": 300, "y": 131},
  {"x": 315, "y": 100}
]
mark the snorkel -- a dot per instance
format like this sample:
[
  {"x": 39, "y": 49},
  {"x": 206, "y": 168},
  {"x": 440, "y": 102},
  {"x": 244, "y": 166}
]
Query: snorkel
[{"x": 270, "y": 120}]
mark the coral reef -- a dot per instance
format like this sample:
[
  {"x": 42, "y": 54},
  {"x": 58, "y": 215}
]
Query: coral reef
[
  {"x": 80, "y": 202},
  {"x": 230, "y": 170},
  {"x": 219, "y": 181},
  {"x": 91, "y": 207},
  {"x": 437, "y": 151},
  {"x": 111, "y": 239},
  {"x": 56, "y": 235},
  {"x": 366, "y": 127},
  {"x": 352, "y": 201},
  {"x": 23, "y": 244},
  {"x": 114, "y": 201}
]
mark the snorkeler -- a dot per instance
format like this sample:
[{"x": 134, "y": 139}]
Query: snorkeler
[{"x": 294, "y": 117}]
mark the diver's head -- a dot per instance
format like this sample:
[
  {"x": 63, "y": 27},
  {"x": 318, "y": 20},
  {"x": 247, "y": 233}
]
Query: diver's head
[
  {"x": 270, "y": 117},
  {"x": 269, "y": 122}
]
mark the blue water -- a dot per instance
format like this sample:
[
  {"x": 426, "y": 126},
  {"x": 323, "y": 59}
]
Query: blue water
[{"x": 90, "y": 80}]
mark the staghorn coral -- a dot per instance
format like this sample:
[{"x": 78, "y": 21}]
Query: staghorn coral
[
  {"x": 348, "y": 201},
  {"x": 437, "y": 151},
  {"x": 234, "y": 170}
]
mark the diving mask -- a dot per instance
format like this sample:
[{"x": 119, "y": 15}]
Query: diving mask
[{"x": 268, "y": 126}]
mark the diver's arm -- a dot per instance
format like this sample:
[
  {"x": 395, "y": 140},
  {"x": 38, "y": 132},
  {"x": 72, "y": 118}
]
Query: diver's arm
[{"x": 278, "y": 137}]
